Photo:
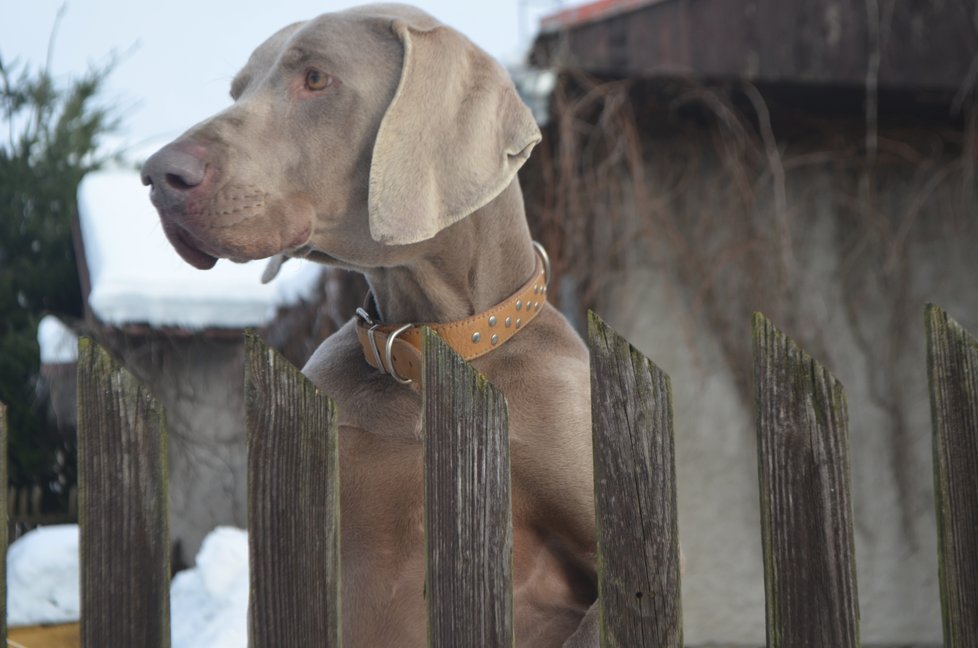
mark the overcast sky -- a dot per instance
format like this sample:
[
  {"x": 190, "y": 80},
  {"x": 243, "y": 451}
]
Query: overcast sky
[{"x": 176, "y": 58}]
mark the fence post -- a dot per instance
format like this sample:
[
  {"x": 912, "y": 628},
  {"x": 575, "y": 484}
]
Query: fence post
[
  {"x": 123, "y": 514},
  {"x": 293, "y": 505},
  {"x": 635, "y": 495},
  {"x": 952, "y": 369},
  {"x": 806, "y": 512},
  {"x": 468, "y": 525},
  {"x": 4, "y": 524}
]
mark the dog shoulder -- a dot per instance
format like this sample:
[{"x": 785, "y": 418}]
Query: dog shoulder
[{"x": 544, "y": 373}]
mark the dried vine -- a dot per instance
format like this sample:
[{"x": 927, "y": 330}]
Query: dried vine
[{"x": 723, "y": 193}]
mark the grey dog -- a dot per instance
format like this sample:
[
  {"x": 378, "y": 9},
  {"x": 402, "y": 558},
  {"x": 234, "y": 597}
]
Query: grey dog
[{"x": 379, "y": 140}]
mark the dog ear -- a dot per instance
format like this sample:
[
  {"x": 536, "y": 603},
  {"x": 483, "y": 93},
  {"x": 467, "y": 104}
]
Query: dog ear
[{"x": 451, "y": 140}]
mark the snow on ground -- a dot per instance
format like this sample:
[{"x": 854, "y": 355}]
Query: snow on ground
[
  {"x": 208, "y": 604},
  {"x": 42, "y": 576},
  {"x": 137, "y": 277}
]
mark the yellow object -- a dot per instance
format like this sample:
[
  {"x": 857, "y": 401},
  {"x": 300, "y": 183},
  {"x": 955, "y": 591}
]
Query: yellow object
[{"x": 66, "y": 635}]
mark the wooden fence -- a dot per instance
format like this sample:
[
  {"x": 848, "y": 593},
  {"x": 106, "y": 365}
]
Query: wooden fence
[
  {"x": 26, "y": 510},
  {"x": 806, "y": 512}
]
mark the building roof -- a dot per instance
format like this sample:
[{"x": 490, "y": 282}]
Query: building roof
[
  {"x": 922, "y": 45},
  {"x": 589, "y": 12},
  {"x": 136, "y": 277}
]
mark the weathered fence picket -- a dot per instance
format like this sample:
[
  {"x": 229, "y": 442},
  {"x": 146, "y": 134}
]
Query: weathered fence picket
[
  {"x": 3, "y": 526},
  {"x": 294, "y": 505},
  {"x": 635, "y": 495},
  {"x": 952, "y": 367},
  {"x": 806, "y": 512},
  {"x": 123, "y": 512},
  {"x": 293, "y": 489},
  {"x": 468, "y": 528}
]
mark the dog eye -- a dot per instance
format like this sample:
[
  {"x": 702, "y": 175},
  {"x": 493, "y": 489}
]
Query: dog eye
[{"x": 316, "y": 80}]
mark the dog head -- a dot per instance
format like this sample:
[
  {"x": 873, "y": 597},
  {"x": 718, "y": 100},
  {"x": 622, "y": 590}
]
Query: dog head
[{"x": 350, "y": 134}]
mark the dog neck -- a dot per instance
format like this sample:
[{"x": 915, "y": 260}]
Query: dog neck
[{"x": 467, "y": 268}]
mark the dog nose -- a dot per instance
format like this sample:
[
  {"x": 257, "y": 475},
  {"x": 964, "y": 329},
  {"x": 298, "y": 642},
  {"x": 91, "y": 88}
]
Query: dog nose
[{"x": 174, "y": 169}]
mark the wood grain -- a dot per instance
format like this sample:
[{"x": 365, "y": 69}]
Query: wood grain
[
  {"x": 124, "y": 527},
  {"x": 952, "y": 367},
  {"x": 635, "y": 495},
  {"x": 293, "y": 505},
  {"x": 468, "y": 528},
  {"x": 806, "y": 511}
]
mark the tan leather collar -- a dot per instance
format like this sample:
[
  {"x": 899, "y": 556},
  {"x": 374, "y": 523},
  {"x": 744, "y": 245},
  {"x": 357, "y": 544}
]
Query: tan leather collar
[{"x": 395, "y": 349}]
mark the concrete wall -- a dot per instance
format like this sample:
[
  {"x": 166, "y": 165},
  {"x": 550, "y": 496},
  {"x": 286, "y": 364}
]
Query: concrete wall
[
  {"x": 200, "y": 382},
  {"x": 840, "y": 254}
]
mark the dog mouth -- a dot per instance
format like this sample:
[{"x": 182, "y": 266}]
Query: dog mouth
[
  {"x": 188, "y": 248},
  {"x": 287, "y": 227}
]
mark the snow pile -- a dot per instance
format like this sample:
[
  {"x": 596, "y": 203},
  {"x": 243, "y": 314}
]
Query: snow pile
[
  {"x": 42, "y": 577},
  {"x": 58, "y": 343},
  {"x": 208, "y": 604},
  {"x": 138, "y": 278}
]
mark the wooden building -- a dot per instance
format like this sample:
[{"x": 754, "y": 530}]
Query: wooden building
[{"x": 813, "y": 160}]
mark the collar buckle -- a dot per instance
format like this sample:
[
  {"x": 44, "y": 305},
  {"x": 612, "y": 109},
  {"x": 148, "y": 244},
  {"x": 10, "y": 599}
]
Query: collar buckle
[
  {"x": 385, "y": 365},
  {"x": 389, "y": 352},
  {"x": 365, "y": 316},
  {"x": 542, "y": 251}
]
